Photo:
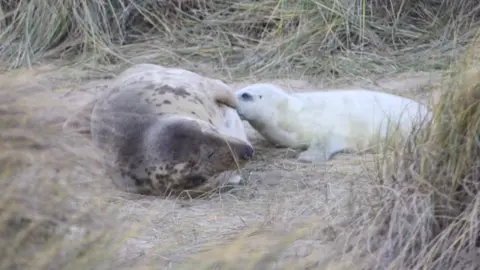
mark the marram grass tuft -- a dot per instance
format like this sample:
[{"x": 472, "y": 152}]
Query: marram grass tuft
[
  {"x": 333, "y": 38},
  {"x": 429, "y": 215}
]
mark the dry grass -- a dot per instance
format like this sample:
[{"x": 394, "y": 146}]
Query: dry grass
[
  {"x": 416, "y": 209},
  {"x": 428, "y": 216},
  {"x": 44, "y": 222},
  {"x": 332, "y": 38}
]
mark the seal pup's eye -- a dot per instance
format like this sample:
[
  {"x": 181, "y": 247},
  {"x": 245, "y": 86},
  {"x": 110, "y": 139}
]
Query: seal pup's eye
[{"x": 246, "y": 96}]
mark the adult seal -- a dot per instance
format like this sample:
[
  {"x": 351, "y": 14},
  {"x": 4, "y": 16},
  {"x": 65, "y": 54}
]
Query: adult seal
[
  {"x": 323, "y": 123},
  {"x": 166, "y": 130}
]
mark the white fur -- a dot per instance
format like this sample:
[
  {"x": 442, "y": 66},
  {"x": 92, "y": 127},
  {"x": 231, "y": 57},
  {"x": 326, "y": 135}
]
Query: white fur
[{"x": 326, "y": 122}]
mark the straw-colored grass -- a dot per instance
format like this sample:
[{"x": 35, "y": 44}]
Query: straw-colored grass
[
  {"x": 414, "y": 209},
  {"x": 428, "y": 217},
  {"x": 332, "y": 38},
  {"x": 43, "y": 223}
]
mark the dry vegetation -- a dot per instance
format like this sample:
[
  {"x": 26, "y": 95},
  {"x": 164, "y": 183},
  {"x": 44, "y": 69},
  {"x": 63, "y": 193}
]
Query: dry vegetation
[{"x": 417, "y": 208}]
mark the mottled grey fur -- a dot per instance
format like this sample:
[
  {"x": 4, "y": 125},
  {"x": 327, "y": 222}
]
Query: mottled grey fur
[{"x": 163, "y": 130}]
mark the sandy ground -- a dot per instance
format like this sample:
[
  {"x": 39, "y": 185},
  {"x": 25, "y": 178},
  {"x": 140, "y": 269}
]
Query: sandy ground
[{"x": 281, "y": 193}]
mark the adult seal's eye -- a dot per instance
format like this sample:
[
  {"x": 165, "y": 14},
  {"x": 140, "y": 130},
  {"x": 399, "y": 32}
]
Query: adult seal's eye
[
  {"x": 211, "y": 153},
  {"x": 246, "y": 96}
]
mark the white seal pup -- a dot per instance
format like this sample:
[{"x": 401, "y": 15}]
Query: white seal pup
[
  {"x": 323, "y": 123},
  {"x": 166, "y": 130}
]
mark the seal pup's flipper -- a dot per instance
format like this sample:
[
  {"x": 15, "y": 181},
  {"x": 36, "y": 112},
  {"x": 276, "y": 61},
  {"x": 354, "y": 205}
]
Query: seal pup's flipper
[
  {"x": 80, "y": 121},
  {"x": 321, "y": 151},
  {"x": 223, "y": 94}
]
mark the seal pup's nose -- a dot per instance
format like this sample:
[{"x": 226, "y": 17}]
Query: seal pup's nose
[{"x": 247, "y": 152}]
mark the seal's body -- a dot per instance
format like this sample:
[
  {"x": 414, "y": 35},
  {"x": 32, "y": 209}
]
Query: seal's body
[
  {"x": 168, "y": 130},
  {"x": 327, "y": 122}
]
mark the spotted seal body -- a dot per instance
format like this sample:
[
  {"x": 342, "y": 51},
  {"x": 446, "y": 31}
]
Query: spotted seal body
[
  {"x": 323, "y": 123},
  {"x": 166, "y": 130}
]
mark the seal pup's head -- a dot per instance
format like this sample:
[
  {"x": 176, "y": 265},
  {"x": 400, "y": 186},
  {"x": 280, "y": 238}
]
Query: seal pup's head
[
  {"x": 259, "y": 102},
  {"x": 192, "y": 152}
]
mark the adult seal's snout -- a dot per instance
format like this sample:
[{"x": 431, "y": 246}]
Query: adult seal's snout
[
  {"x": 240, "y": 114},
  {"x": 248, "y": 152}
]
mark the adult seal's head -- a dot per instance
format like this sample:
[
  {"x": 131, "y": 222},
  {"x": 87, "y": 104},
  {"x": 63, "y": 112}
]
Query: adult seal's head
[{"x": 184, "y": 153}]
